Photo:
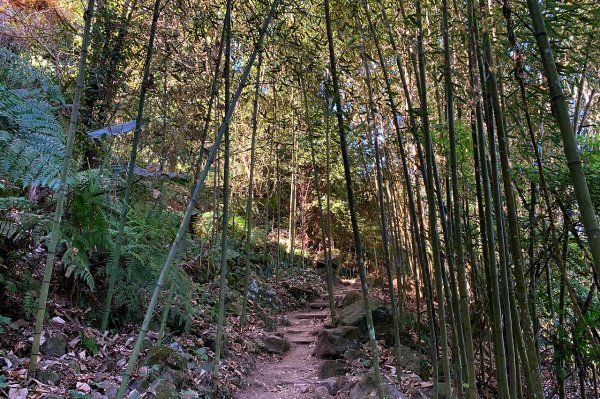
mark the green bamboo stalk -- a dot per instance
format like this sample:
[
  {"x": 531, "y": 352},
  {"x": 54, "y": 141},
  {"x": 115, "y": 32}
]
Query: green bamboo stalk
[
  {"x": 433, "y": 228},
  {"x": 382, "y": 210},
  {"x": 116, "y": 255},
  {"x": 192, "y": 204},
  {"x": 226, "y": 200},
  {"x": 419, "y": 234},
  {"x": 469, "y": 363},
  {"x": 522, "y": 321},
  {"x": 328, "y": 268},
  {"x": 328, "y": 185},
  {"x": 561, "y": 113},
  {"x": 278, "y": 265},
  {"x": 213, "y": 94},
  {"x": 250, "y": 193},
  {"x": 61, "y": 197},
  {"x": 351, "y": 204},
  {"x": 226, "y": 196}
]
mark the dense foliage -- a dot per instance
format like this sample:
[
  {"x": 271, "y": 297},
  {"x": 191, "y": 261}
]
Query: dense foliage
[{"x": 437, "y": 87}]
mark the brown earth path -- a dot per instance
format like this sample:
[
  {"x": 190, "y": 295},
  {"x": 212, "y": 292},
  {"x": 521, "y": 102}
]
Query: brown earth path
[{"x": 294, "y": 374}]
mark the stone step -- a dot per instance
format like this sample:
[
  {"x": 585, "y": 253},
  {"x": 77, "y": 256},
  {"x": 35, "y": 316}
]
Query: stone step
[
  {"x": 325, "y": 298},
  {"x": 302, "y": 341},
  {"x": 313, "y": 316},
  {"x": 296, "y": 331},
  {"x": 294, "y": 383}
]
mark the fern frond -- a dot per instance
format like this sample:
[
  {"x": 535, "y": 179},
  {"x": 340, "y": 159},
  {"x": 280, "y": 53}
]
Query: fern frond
[{"x": 31, "y": 137}]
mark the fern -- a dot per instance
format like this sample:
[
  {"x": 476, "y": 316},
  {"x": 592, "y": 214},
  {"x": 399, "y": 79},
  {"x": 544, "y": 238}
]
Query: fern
[
  {"x": 147, "y": 234},
  {"x": 31, "y": 137},
  {"x": 78, "y": 265},
  {"x": 85, "y": 232},
  {"x": 30, "y": 304},
  {"x": 8, "y": 203}
]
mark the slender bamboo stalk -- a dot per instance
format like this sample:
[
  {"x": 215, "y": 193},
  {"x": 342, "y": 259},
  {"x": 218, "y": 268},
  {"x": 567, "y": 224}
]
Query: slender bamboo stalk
[
  {"x": 433, "y": 228},
  {"x": 561, "y": 113},
  {"x": 492, "y": 273},
  {"x": 328, "y": 186},
  {"x": 469, "y": 364},
  {"x": 62, "y": 192},
  {"x": 116, "y": 255},
  {"x": 250, "y": 192},
  {"x": 193, "y": 201},
  {"x": 278, "y": 265},
  {"x": 523, "y": 329},
  {"x": 226, "y": 199},
  {"x": 382, "y": 211},
  {"x": 207, "y": 119},
  {"x": 317, "y": 182},
  {"x": 351, "y": 205}
]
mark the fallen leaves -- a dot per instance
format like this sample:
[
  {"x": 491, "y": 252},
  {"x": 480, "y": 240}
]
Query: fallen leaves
[{"x": 18, "y": 393}]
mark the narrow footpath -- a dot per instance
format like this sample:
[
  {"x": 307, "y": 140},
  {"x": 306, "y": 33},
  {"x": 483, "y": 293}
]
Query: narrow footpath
[{"x": 293, "y": 375}]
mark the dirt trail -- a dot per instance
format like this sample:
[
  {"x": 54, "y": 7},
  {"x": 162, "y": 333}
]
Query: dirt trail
[{"x": 292, "y": 376}]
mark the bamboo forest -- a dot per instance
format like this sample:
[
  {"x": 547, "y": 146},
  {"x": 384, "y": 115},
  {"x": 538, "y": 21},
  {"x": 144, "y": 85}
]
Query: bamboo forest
[{"x": 285, "y": 199}]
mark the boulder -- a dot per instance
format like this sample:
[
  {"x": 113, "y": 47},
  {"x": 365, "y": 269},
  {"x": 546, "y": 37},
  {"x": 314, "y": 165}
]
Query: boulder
[
  {"x": 355, "y": 315},
  {"x": 351, "y": 297},
  {"x": 178, "y": 321},
  {"x": 109, "y": 388},
  {"x": 74, "y": 365},
  {"x": 415, "y": 362},
  {"x": 376, "y": 281},
  {"x": 161, "y": 389},
  {"x": 322, "y": 393},
  {"x": 331, "y": 384},
  {"x": 55, "y": 346},
  {"x": 333, "y": 343},
  {"x": 416, "y": 393},
  {"x": 353, "y": 354},
  {"x": 178, "y": 378},
  {"x": 275, "y": 344},
  {"x": 332, "y": 368},
  {"x": 209, "y": 338},
  {"x": 166, "y": 365},
  {"x": 165, "y": 357},
  {"x": 300, "y": 292},
  {"x": 108, "y": 364},
  {"x": 366, "y": 387},
  {"x": 264, "y": 295}
]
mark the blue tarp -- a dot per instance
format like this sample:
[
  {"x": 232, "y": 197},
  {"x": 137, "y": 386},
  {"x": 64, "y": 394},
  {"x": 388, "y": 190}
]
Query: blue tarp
[{"x": 113, "y": 130}]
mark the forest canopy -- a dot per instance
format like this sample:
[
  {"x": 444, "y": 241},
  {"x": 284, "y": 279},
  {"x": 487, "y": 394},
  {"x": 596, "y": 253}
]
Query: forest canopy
[{"x": 161, "y": 157}]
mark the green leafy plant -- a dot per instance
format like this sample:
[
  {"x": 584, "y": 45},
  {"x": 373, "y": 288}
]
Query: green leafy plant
[
  {"x": 6, "y": 322},
  {"x": 31, "y": 137},
  {"x": 30, "y": 304},
  {"x": 90, "y": 345},
  {"x": 75, "y": 394},
  {"x": 86, "y": 232}
]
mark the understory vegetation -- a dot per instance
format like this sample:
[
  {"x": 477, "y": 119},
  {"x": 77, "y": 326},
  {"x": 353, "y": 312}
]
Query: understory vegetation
[{"x": 189, "y": 170}]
